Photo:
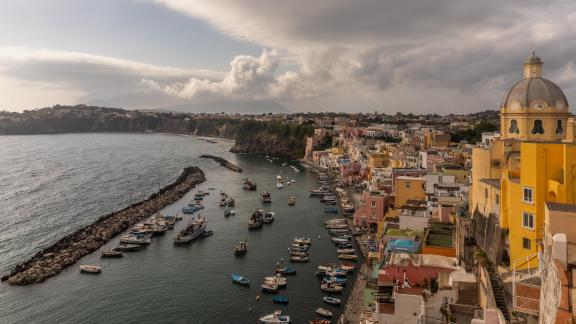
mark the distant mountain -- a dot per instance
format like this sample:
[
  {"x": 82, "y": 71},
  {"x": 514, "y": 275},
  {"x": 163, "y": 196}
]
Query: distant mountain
[{"x": 230, "y": 107}]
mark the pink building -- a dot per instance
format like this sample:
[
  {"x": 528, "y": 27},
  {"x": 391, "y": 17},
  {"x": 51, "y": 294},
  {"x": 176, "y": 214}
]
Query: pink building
[
  {"x": 417, "y": 267},
  {"x": 371, "y": 209}
]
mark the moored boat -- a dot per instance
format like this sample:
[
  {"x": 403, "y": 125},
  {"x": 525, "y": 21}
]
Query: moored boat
[
  {"x": 256, "y": 220},
  {"x": 207, "y": 233},
  {"x": 241, "y": 248},
  {"x": 278, "y": 280},
  {"x": 112, "y": 254},
  {"x": 332, "y": 300},
  {"x": 276, "y": 318},
  {"x": 345, "y": 251},
  {"x": 332, "y": 288},
  {"x": 287, "y": 271},
  {"x": 319, "y": 321},
  {"x": 323, "y": 312},
  {"x": 331, "y": 210},
  {"x": 231, "y": 202},
  {"x": 302, "y": 240},
  {"x": 296, "y": 258},
  {"x": 265, "y": 197},
  {"x": 291, "y": 201},
  {"x": 127, "y": 247},
  {"x": 240, "y": 279},
  {"x": 249, "y": 185},
  {"x": 268, "y": 217},
  {"x": 269, "y": 287},
  {"x": 279, "y": 299},
  {"x": 352, "y": 257},
  {"x": 227, "y": 212},
  {"x": 138, "y": 239},
  {"x": 298, "y": 253},
  {"x": 88, "y": 268},
  {"x": 195, "y": 228}
]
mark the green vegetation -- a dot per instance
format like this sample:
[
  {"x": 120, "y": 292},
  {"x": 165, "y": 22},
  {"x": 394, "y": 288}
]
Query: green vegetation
[{"x": 473, "y": 135}]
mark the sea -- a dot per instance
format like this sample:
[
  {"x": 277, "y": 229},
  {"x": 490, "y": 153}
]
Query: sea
[{"x": 52, "y": 185}]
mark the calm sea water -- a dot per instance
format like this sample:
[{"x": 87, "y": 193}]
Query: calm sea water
[{"x": 51, "y": 185}]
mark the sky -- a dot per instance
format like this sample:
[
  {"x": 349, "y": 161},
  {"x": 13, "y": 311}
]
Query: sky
[{"x": 442, "y": 56}]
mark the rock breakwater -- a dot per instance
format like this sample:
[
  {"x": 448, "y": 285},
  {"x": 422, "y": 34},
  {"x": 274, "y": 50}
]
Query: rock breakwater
[
  {"x": 52, "y": 260},
  {"x": 223, "y": 162}
]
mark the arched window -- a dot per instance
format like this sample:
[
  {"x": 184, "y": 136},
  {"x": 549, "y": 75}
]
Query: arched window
[
  {"x": 513, "y": 127},
  {"x": 538, "y": 128},
  {"x": 559, "y": 128}
]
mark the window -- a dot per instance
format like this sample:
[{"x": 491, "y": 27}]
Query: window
[
  {"x": 513, "y": 127},
  {"x": 559, "y": 128},
  {"x": 528, "y": 195},
  {"x": 538, "y": 128},
  {"x": 528, "y": 220},
  {"x": 497, "y": 199},
  {"x": 485, "y": 193},
  {"x": 526, "y": 243},
  {"x": 373, "y": 203},
  {"x": 408, "y": 184}
]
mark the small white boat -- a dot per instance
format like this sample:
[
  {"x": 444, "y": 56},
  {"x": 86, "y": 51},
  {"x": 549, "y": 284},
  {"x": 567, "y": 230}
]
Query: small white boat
[
  {"x": 279, "y": 185},
  {"x": 331, "y": 300},
  {"x": 87, "y": 268},
  {"x": 276, "y": 318},
  {"x": 352, "y": 257},
  {"x": 296, "y": 258},
  {"x": 269, "y": 287},
  {"x": 323, "y": 312},
  {"x": 332, "y": 288},
  {"x": 279, "y": 281},
  {"x": 345, "y": 251},
  {"x": 279, "y": 177}
]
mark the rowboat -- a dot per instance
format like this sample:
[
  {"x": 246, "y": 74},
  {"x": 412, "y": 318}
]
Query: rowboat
[
  {"x": 332, "y": 288},
  {"x": 299, "y": 258},
  {"x": 298, "y": 253},
  {"x": 332, "y": 301},
  {"x": 302, "y": 240},
  {"x": 279, "y": 299},
  {"x": 276, "y": 318},
  {"x": 240, "y": 280},
  {"x": 352, "y": 257},
  {"x": 87, "y": 268},
  {"x": 345, "y": 251},
  {"x": 323, "y": 312},
  {"x": 286, "y": 271}
]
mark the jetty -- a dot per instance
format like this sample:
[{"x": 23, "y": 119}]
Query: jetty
[
  {"x": 64, "y": 253},
  {"x": 223, "y": 162}
]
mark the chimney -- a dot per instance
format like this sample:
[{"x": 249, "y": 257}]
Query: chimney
[{"x": 560, "y": 249}]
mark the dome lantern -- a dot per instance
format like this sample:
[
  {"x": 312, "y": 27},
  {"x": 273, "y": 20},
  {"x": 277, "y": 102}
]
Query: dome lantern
[{"x": 532, "y": 66}]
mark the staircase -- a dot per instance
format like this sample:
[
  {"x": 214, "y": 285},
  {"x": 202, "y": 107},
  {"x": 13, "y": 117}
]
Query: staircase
[{"x": 498, "y": 291}]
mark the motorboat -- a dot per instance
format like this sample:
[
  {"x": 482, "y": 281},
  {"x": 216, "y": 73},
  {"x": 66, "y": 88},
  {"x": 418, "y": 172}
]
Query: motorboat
[
  {"x": 332, "y": 300},
  {"x": 135, "y": 239},
  {"x": 323, "y": 312},
  {"x": 207, "y": 233},
  {"x": 265, "y": 197},
  {"x": 351, "y": 257},
  {"x": 298, "y": 253},
  {"x": 223, "y": 202},
  {"x": 291, "y": 201},
  {"x": 334, "y": 279},
  {"x": 88, "y": 268},
  {"x": 286, "y": 271},
  {"x": 231, "y": 202},
  {"x": 332, "y": 288},
  {"x": 268, "y": 217},
  {"x": 345, "y": 251},
  {"x": 275, "y": 318},
  {"x": 256, "y": 220},
  {"x": 269, "y": 287},
  {"x": 303, "y": 240},
  {"x": 279, "y": 299},
  {"x": 227, "y": 212},
  {"x": 127, "y": 247},
  {"x": 240, "y": 280},
  {"x": 278, "y": 280},
  {"x": 112, "y": 254},
  {"x": 296, "y": 258},
  {"x": 189, "y": 209},
  {"x": 194, "y": 229},
  {"x": 241, "y": 248},
  {"x": 247, "y": 184},
  {"x": 279, "y": 185}
]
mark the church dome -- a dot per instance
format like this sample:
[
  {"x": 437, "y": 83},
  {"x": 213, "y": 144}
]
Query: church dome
[{"x": 538, "y": 93}]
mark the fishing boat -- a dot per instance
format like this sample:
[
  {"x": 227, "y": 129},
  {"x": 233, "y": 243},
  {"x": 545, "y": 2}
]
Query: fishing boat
[
  {"x": 302, "y": 240},
  {"x": 194, "y": 229},
  {"x": 88, "y": 268},
  {"x": 276, "y": 318},
  {"x": 331, "y": 210},
  {"x": 240, "y": 280},
  {"x": 345, "y": 251},
  {"x": 286, "y": 271},
  {"x": 135, "y": 239},
  {"x": 269, "y": 287},
  {"x": 291, "y": 201},
  {"x": 332, "y": 300},
  {"x": 265, "y": 197},
  {"x": 207, "y": 233},
  {"x": 127, "y": 247},
  {"x": 256, "y": 220},
  {"x": 279, "y": 185},
  {"x": 247, "y": 184},
  {"x": 279, "y": 299},
  {"x": 323, "y": 312},
  {"x": 278, "y": 280},
  {"x": 231, "y": 202},
  {"x": 352, "y": 257},
  {"x": 331, "y": 288},
  {"x": 268, "y": 217},
  {"x": 296, "y": 258},
  {"x": 241, "y": 248}
]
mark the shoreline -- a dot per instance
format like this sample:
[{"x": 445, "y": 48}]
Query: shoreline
[
  {"x": 68, "y": 250},
  {"x": 223, "y": 162}
]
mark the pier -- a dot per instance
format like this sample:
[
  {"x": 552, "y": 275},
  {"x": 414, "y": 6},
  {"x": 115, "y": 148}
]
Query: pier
[
  {"x": 223, "y": 162},
  {"x": 64, "y": 253}
]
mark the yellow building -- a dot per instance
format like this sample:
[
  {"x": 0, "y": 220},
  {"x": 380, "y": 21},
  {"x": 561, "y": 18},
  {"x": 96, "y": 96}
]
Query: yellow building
[
  {"x": 378, "y": 160},
  {"x": 533, "y": 162},
  {"x": 408, "y": 188}
]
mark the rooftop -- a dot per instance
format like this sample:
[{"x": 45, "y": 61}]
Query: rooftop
[
  {"x": 492, "y": 182},
  {"x": 567, "y": 208}
]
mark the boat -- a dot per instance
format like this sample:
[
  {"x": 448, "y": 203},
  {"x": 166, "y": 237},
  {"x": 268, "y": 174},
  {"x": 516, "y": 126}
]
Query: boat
[
  {"x": 227, "y": 212},
  {"x": 247, "y": 184},
  {"x": 319, "y": 321},
  {"x": 279, "y": 299},
  {"x": 194, "y": 229},
  {"x": 189, "y": 209},
  {"x": 323, "y": 312},
  {"x": 334, "y": 279},
  {"x": 344, "y": 245},
  {"x": 296, "y": 258},
  {"x": 286, "y": 271},
  {"x": 269, "y": 287},
  {"x": 298, "y": 247},
  {"x": 231, "y": 202},
  {"x": 331, "y": 288},
  {"x": 112, "y": 254},
  {"x": 223, "y": 202},
  {"x": 207, "y": 233},
  {"x": 298, "y": 253},
  {"x": 241, "y": 248},
  {"x": 331, "y": 210},
  {"x": 240, "y": 280},
  {"x": 340, "y": 239},
  {"x": 332, "y": 300},
  {"x": 291, "y": 201},
  {"x": 256, "y": 220},
  {"x": 87, "y": 268},
  {"x": 347, "y": 267},
  {"x": 276, "y": 318},
  {"x": 265, "y": 196},
  {"x": 127, "y": 247},
  {"x": 345, "y": 251},
  {"x": 278, "y": 280},
  {"x": 135, "y": 239},
  {"x": 198, "y": 197},
  {"x": 268, "y": 217},
  {"x": 279, "y": 185},
  {"x": 279, "y": 177},
  {"x": 352, "y": 257},
  {"x": 196, "y": 204},
  {"x": 303, "y": 240}
]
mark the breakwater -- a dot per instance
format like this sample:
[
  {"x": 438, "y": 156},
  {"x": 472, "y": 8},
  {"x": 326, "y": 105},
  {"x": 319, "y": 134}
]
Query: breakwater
[
  {"x": 223, "y": 162},
  {"x": 53, "y": 259}
]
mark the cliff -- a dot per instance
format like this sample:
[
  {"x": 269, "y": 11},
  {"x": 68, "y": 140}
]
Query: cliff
[{"x": 272, "y": 138}]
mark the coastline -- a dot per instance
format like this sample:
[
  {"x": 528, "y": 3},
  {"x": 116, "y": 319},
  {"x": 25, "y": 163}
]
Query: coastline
[
  {"x": 68, "y": 250},
  {"x": 223, "y": 162}
]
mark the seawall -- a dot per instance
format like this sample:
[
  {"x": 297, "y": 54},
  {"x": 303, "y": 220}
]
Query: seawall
[
  {"x": 223, "y": 162},
  {"x": 64, "y": 253}
]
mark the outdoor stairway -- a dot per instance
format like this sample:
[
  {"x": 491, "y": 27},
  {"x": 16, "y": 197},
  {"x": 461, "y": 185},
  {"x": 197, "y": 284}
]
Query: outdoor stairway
[{"x": 498, "y": 292}]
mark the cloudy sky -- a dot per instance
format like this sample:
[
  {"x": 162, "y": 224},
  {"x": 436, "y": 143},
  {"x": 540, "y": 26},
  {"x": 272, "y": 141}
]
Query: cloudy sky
[{"x": 322, "y": 55}]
